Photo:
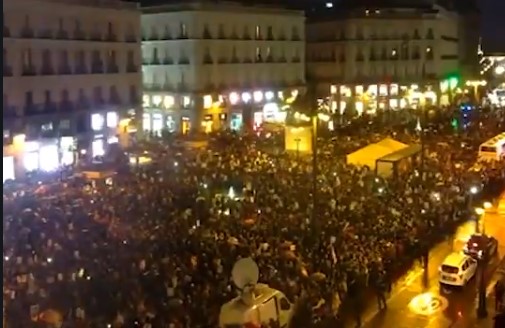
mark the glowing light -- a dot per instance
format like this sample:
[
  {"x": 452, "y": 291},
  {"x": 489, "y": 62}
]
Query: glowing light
[
  {"x": 234, "y": 98},
  {"x": 479, "y": 211},
  {"x": 269, "y": 95},
  {"x": 258, "y": 96},
  {"x": 246, "y": 97},
  {"x": 474, "y": 190}
]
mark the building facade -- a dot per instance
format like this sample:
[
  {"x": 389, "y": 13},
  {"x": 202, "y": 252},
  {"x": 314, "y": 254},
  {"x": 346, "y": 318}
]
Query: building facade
[
  {"x": 72, "y": 72},
  {"x": 215, "y": 66},
  {"x": 377, "y": 58}
]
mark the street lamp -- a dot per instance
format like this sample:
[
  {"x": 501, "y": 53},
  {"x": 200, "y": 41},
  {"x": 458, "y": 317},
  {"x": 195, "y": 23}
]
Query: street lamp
[{"x": 475, "y": 85}]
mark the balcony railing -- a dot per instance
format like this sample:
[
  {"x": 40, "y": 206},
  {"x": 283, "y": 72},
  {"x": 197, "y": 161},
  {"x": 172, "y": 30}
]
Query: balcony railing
[
  {"x": 96, "y": 37},
  {"x": 131, "y": 38},
  {"x": 28, "y": 71},
  {"x": 208, "y": 60},
  {"x": 66, "y": 106},
  {"x": 27, "y": 33},
  {"x": 65, "y": 70},
  {"x": 183, "y": 61},
  {"x": 168, "y": 61},
  {"x": 112, "y": 69},
  {"x": 47, "y": 70},
  {"x": 81, "y": 69},
  {"x": 62, "y": 35},
  {"x": 79, "y": 35},
  {"x": 132, "y": 68},
  {"x": 296, "y": 60},
  {"x": 97, "y": 68},
  {"x": 33, "y": 109},
  {"x": 111, "y": 37},
  {"x": 45, "y": 34}
]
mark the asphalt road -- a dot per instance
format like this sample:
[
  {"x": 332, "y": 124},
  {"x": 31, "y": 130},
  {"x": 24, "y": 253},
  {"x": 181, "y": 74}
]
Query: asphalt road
[{"x": 418, "y": 301}]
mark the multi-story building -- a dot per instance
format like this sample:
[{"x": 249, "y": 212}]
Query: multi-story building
[
  {"x": 389, "y": 57},
  {"x": 71, "y": 73},
  {"x": 210, "y": 66}
]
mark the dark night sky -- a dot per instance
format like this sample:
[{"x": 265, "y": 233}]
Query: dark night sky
[{"x": 492, "y": 27}]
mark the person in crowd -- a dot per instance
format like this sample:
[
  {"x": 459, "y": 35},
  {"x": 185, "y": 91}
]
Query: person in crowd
[{"x": 155, "y": 247}]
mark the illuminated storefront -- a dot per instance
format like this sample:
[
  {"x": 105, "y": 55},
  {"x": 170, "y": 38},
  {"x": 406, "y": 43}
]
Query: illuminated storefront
[
  {"x": 230, "y": 110},
  {"x": 8, "y": 169},
  {"x": 373, "y": 97}
]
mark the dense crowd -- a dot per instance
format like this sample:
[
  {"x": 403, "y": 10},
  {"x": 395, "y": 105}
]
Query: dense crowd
[{"x": 155, "y": 247}]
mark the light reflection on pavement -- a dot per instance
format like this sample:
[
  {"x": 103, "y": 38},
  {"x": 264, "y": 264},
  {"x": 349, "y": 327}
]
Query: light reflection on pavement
[{"x": 413, "y": 304}]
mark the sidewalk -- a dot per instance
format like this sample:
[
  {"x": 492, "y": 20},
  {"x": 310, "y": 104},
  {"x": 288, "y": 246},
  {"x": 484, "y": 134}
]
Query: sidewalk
[
  {"x": 403, "y": 290},
  {"x": 474, "y": 322}
]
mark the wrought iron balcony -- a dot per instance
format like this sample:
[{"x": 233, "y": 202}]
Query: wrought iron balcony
[
  {"x": 131, "y": 68},
  {"x": 79, "y": 35},
  {"x": 28, "y": 71},
  {"x": 62, "y": 35},
  {"x": 27, "y": 33},
  {"x": 47, "y": 70}
]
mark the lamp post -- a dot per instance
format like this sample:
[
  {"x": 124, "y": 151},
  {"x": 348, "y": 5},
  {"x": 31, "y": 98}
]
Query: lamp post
[{"x": 475, "y": 85}]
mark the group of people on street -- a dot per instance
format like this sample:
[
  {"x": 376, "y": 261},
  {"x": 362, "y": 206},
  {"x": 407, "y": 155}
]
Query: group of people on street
[{"x": 154, "y": 247}]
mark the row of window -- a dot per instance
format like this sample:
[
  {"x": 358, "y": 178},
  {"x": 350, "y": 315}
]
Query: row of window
[
  {"x": 344, "y": 35},
  {"x": 259, "y": 56},
  {"x": 83, "y": 62},
  {"x": 375, "y": 72},
  {"x": 64, "y": 32},
  {"x": 373, "y": 55},
  {"x": 83, "y": 101},
  {"x": 209, "y": 32}
]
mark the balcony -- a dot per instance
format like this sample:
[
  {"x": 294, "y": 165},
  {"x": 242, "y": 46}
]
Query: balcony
[
  {"x": 28, "y": 71},
  {"x": 111, "y": 37},
  {"x": 64, "y": 70},
  {"x": 79, "y": 35},
  {"x": 221, "y": 35},
  {"x": 281, "y": 37},
  {"x": 416, "y": 56},
  {"x": 154, "y": 61},
  {"x": 27, "y": 33},
  {"x": 45, "y": 34},
  {"x": 131, "y": 68},
  {"x": 270, "y": 36},
  {"x": 62, "y": 35},
  {"x": 182, "y": 37},
  {"x": 183, "y": 61},
  {"x": 222, "y": 60},
  {"x": 112, "y": 69},
  {"x": 82, "y": 104},
  {"x": 296, "y": 38},
  {"x": 247, "y": 61},
  {"x": 49, "y": 108},
  {"x": 98, "y": 102},
  {"x": 234, "y": 60},
  {"x": 206, "y": 35},
  {"x": 168, "y": 61},
  {"x": 115, "y": 100},
  {"x": 181, "y": 86},
  {"x": 296, "y": 59},
  {"x": 81, "y": 69},
  {"x": 7, "y": 70},
  {"x": 97, "y": 68},
  {"x": 66, "y": 106},
  {"x": 130, "y": 38},
  {"x": 96, "y": 36},
  {"x": 47, "y": 70},
  {"x": 33, "y": 109},
  {"x": 269, "y": 59},
  {"x": 7, "y": 32},
  {"x": 246, "y": 36},
  {"x": 282, "y": 59},
  {"x": 207, "y": 59}
]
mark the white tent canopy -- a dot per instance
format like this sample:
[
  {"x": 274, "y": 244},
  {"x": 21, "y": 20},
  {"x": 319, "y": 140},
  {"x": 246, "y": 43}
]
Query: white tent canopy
[{"x": 367, "y": 155}]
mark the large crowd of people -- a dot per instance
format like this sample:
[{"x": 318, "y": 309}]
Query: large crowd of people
[{"x": 154, "y": 247}]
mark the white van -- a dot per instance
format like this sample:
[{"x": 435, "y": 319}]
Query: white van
[
  {"x": 266, "y": 305},
  {"x": 457, "y": 269}
]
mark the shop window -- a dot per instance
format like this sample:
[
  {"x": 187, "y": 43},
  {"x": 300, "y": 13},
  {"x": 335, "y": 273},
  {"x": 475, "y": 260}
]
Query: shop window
[{"x": 97, "y": 122}]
